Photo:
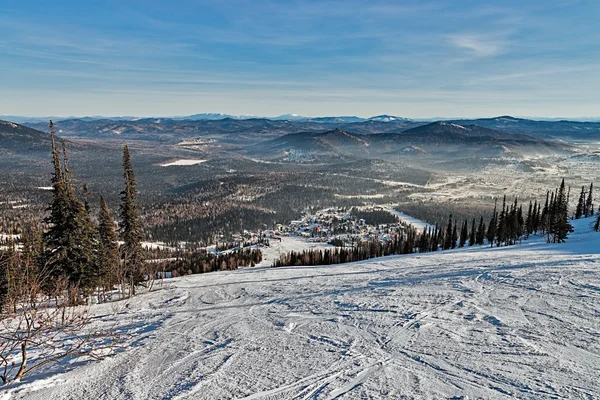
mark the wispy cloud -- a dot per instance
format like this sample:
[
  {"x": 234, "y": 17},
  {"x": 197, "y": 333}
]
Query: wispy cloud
[{"x": 478, "y": 45}]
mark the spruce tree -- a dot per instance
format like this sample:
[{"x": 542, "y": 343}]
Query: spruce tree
[
  {"x": 69, "y": 240},
  {"x": 529, "y": 220},
  {"x": 580, "y": 210},
  {"x": 130, "y": 227},
  {"x": 562, "y": 225},
  {"x": 55, "y": 238},
  {"x": 454, "y": 236},
  {"x": 544, "y": 217},
  {"x": 480, "y": 232},
  {"x": 492, "y": 227},
  {"x": 464, "y": 234},
  {"x": 535, "y": 226},
  {"x": 589, "y": 205},
  {"x": 502, "y": 225},
  {"x": 448, "y": 237},
  {"x": 472, "y": 234}
]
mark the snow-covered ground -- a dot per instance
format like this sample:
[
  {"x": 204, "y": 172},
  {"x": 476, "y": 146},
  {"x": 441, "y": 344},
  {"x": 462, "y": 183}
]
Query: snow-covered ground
[
  {"x": 183, "y": 163},
  {"x": 407, "y": 219},
  {"x": 287, "y": 244},
  {"x": 513, "y": 322}
]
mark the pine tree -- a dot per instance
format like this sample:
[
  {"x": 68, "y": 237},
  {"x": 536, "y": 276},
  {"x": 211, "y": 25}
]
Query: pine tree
[
  {"x": 454, "y": 236},
  {"x": 537, "y": 218},
  {"x": 448, "y": 238},
  {"x": 589, "y": 205},
  {"x": 130, "y": 227},
  {"x": 464, "y": 234},
  {"x": 520, "y": 223},
  {"x": 69, "y": 239},
  {"x": 529, "y": 219},
  {"x": 563, "y": 227},
  {"x": 580, "y": 210},
  {"x": 544, "y": 217},
  {"x": 480, "y": 232},
  {"x": 502, "y": 225},
  {"x": 55, "y": 239},
  {"x": 472, "y": 234},
  {"x": 492, "y": 227},
  {"x": 80, "y": 255}
]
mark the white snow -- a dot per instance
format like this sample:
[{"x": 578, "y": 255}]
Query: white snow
[
  {"x": 287, "y": 244},
  {"x": 155, "y": 245},
  {"x": 511, "y": 322},
  {"x": 183, "y": 162},
  {"x": 416, "y": 223},
  {"x": 12, "y": 125}
]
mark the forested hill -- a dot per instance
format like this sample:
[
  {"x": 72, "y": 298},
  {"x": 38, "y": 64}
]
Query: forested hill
[{"x": 15, "y": 137}]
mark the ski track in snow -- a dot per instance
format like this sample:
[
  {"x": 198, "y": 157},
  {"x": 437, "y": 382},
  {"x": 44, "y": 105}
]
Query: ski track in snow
[{"x": 519, "y": 321}]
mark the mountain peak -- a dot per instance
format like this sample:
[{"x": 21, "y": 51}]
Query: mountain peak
[{"x": 387, "y": 118}]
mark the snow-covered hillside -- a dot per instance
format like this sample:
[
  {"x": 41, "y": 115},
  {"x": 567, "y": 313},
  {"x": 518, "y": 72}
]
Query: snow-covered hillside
[{"x": 521, "y": 321}]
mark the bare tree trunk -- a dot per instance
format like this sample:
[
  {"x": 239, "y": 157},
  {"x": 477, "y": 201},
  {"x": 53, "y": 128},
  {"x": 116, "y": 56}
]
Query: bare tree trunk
[{"x": 21, "y": 371}]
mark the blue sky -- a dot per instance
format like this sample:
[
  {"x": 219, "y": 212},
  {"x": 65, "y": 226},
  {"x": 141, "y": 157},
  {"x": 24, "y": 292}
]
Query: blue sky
[{"x": 413, "y": 59}]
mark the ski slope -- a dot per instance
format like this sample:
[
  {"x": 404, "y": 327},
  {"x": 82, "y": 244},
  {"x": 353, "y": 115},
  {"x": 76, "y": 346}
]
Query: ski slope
[{"x": 514, "y": 322}]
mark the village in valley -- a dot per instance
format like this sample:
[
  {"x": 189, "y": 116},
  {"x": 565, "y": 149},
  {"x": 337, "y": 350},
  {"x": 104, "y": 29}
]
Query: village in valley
[{"x": 329, "y": 227}]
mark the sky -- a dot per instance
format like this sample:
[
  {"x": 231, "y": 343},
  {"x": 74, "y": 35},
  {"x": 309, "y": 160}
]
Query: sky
[{"x": 416, "y": 59}]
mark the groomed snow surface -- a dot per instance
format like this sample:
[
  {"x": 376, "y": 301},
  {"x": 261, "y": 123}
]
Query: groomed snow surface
[{"x": 520, "y": 321}]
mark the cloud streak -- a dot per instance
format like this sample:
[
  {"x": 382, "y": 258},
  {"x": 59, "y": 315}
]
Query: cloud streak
[{"x": 478, "y": 45}]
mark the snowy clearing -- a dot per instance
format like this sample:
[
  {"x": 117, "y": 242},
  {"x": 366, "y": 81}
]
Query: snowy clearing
[
  {"x": 287, "y": 244},
  {"x": 519, "y": 321},
  {"x": 183, "y": 163},
  {"x": 407, "y": 219}
]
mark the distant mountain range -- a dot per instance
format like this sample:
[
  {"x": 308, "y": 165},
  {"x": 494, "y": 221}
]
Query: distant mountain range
[
  {"x": 212, "y": 117},
  {"x": 289, "y": 140},
  {"x": 438, "y": 138},
  {"x": 169, "y": 129},
  {"x": 284, "y": 117}
]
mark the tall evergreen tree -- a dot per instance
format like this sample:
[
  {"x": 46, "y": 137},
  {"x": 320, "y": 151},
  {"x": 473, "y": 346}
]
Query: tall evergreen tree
[
  {"x": 562, "y": 226},
  {"x": 472, "y": 233},
  {"x": 493, "y": 226},
  {"x": 529, "y": 219},
  {"x": 537, "y": 217},
  {"x": 544, "y": 217},
  {"x": 480, "y": 232},
  {"x": 448, "y": 237},
  {"x": 454, "y": 236},
  {"x": 130, "y": 226},
  {"x": 69, "y": 240},
  {"x": 502, "y": 224},
  {"x": 589, "y": 203},
  {"x": 580, "y": 210},
  {"x": 464, "y": 234}
]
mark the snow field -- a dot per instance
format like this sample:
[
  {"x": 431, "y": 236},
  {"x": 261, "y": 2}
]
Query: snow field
[
  {"x": 512, "y": 322},
  {"x": 183, "y": 163}
]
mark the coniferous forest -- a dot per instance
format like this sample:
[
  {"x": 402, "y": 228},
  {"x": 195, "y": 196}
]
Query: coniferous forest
[{"x": 508, "y": 225}]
